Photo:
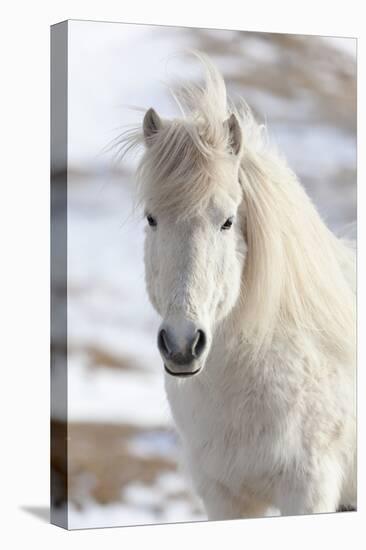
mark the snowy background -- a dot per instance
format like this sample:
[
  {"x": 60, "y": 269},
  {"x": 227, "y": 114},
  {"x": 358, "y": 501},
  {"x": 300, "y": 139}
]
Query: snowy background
[{"x": 123, "y": 451}]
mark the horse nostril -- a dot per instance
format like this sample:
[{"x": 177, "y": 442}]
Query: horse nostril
[
  {"x": 163, "y": 344},
  {"x": 199, "y": 344}
]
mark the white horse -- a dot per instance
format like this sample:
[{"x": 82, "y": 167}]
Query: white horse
[{"x": 257, "y": 299}]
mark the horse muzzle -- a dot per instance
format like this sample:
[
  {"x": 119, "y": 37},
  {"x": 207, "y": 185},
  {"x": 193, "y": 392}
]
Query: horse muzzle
[{"x": 182, "y": 345}]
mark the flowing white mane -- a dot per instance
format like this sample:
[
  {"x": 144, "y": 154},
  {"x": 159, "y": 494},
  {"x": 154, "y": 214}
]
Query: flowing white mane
[{"x": 298, "y": 276}]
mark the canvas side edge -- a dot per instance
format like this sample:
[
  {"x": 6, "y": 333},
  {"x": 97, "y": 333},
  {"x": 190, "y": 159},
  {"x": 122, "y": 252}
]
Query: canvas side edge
[{"x": 58, "y": 254}]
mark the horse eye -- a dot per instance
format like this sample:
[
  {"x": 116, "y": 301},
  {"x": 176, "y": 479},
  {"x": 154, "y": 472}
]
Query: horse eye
[
  {"x": 227, "y": 224},
  {"x": 151, "y": 221}
]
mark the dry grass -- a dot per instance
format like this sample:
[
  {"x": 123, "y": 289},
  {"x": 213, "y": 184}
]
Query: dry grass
[
  {"x": 101, "y": 464},
  {"x": 300, "y": 64}
]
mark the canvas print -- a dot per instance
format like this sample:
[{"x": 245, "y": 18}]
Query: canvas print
[{"x": 203, "y": 307}]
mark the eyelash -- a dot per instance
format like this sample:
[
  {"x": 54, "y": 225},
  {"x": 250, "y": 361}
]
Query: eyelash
[
  {"x": 151, "y": 221},
  {"x": 227, "y": 225}
]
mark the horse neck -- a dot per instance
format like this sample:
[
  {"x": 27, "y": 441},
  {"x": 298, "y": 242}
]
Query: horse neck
[{"x": 293, "y": 283}]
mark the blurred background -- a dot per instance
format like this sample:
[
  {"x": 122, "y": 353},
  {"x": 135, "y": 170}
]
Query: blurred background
[{"x": 123, "y": 451}]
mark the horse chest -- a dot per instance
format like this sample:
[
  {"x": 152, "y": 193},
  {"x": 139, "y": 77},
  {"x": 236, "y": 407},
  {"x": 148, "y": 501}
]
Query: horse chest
[{"x": 230, "y": 430}]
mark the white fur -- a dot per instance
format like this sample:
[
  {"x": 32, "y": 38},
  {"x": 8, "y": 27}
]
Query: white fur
[{"x": 270, "y": 418}]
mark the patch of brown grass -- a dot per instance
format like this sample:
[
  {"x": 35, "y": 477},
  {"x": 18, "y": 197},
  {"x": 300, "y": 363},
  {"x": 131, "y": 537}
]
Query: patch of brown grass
[{"x": 100, "y": 453}]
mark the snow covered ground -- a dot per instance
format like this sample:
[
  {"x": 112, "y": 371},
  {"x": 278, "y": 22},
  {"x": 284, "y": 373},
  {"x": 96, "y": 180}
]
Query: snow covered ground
[{"x": 304, "y": 88}]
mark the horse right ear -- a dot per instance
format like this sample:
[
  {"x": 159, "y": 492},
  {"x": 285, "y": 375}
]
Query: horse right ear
[
  {"x": 235, "y": 138},
  {"x": 151, "y": 125}
]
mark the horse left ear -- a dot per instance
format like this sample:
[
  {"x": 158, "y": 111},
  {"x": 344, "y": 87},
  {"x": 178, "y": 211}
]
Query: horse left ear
[{"x": 233, "y": 128}]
